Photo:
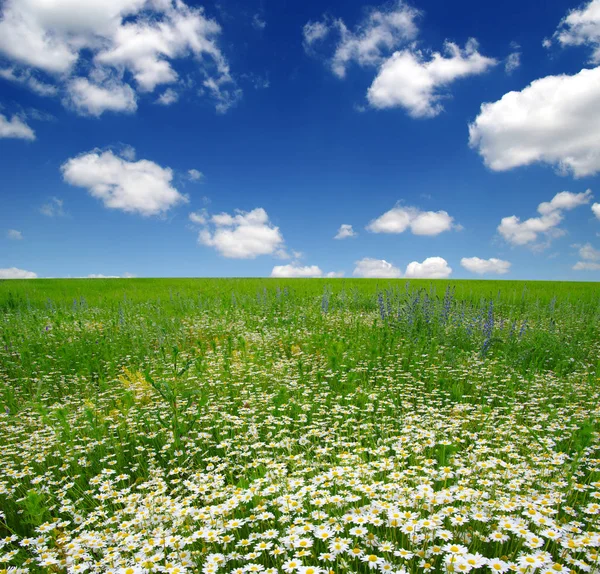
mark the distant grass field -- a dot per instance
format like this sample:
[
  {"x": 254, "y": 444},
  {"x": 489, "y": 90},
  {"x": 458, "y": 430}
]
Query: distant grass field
[{"x": 309, "y": 426}]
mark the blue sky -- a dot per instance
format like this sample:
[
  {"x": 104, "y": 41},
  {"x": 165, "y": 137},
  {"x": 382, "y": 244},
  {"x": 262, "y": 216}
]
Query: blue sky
[{"x": 445, "y": 134}]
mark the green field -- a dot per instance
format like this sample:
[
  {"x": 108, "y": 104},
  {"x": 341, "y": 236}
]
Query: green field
[{"x": 299, "y": 426}]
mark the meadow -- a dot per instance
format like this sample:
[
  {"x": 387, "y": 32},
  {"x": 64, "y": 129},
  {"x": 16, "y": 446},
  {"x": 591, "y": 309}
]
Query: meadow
[{"x": 299, "y": 426}]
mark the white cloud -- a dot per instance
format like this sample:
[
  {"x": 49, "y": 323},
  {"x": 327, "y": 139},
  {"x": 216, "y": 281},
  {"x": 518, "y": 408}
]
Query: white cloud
[
  {"x": 512, "y": 62},
  {"x": 431, "y": 268},
  {"x": 582, "y": 27},
  {"x": 409, "y": 81},
  {"x": 520, "y": 232},
  {"x": 586, "y": 266},
  {"x": 376, "y": 268},
  {"x": 198, "y": 217},
  {"x": 555, "y": 120},
  {"x": 54, "y": 208},
  {"x": 142, "y": 37},
  {"x": 258, "y": 23},
  {"x": 590, "y": 256},
  {"x": 26, "y": 77},
  {"x": 15, "y": 273},
  {"x": 195, "y": 175},
  {"x": 313, "y": 32},
  {"x": 399, "y": 219},
  {"x": 596, "y": 210},
  {"x": 589, "y": 253},
  {"x": 345, "y": 231},
  {"x": 381, "y": 31},
  {"x": 141, "y": 187},
  {"x": 565, "y": 200},
  {"x": 294, "y": 270},
  {"x": 93, "y": 99},
  {"x": 100, "y": 276},
  {"x": 15, "y": 128},
  {"x": 482, "y": 266},
  {"x": 14, "y": 235},
  {"x": 244, "y": 235},
  {"x": 334, "y": 274},
  {"x": 168, "y": 97}
]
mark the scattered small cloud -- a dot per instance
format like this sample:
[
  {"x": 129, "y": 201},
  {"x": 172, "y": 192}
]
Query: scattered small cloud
[
  {"x": 590, "y": 258},
  {"x": 400, "y": 219},
  {"x": 100, "y": 276},
  {"x": 93, "y": 99},
  {"x": 15, "y": 273},
  {"x": 168, "y": 97},
  {"x": 295, "y": 270},
  {"x": 411, "y": 80},
  {"x": 28, "y": 79},
  {"x": 345, "y": 231},
  {"x": 376, "y": 268},
  {"x": 483, "y": 266},
  {"x": 142, "y": 187},
  {"x": 596, "y": 210},
  {"x": 431, "y": 268},
  {"x": 381, "y": 31},
  {"x": 258, "y": 23},
  {"x": 243, "y": 235},
  {"x": 14, "y": 235},
  {"x": 517, "y": 232},
  {"x": 53, "y": 208},
  {"x": 581, "y": 27},
  {"x": 512, "y": 62},
  {"x": 335, "y": 274},
  {"x": 199, "y": 217},
  {"x": 195, "y": 175},
  {"x": 15, "y": 128}
]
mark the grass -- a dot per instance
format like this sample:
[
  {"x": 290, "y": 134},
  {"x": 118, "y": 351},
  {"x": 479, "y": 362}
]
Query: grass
[{"x": 249, "y": 425}]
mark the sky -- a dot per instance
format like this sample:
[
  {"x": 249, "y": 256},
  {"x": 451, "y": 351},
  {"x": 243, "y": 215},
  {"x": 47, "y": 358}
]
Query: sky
[{"x": 426, "y": 138}]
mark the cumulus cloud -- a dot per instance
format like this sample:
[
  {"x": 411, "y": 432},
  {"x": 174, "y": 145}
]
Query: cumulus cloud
[
  {"x": 168, "y": 97},
  {"x": 54, "y": 208},
  {"x": 482, "y": 266},
  {"x": 381, "y": 31},
  {"x": 295, "y": 270},
  {"x": 28, "y": 79},
  {"x": 142, "y": 186},
  {"x": 590, "y": 258},
  {"x": 596, "y": 210},
  {"x": 431, "y": 268},
  {"x": 410, "y": 81},
  {"x": 244, "y": 235},
  {"x": 582, "y": 27},
  {"x": 586, "y": 266},
  {"x": 512, "y": 62},
  {"x": 554, "y": 120},
  {"x": 92, "y": 99},
  {"x": 199, "y": 217},
  {"x": 15, "y": 128},
  {"x": 312, "y": 32},
  {"x": 141, "y": 37},
  {"x": 194, "y": 174},
  {"x": 15, "y": 273},
  {"x": 519, "y": 232},
  {"x": 14, "y": 235},
  {"x": 400, "y": 219},
  {"x": 345, "y": 231},
  {"x": 376, "y": 268},
  {"x": 565, "y": 200},
  {"x": 100, "y": 276},
  {"x": 334, "y": 274}
]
